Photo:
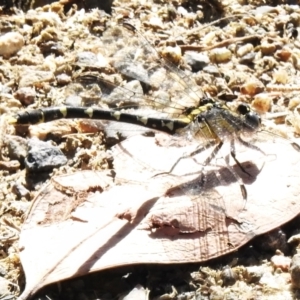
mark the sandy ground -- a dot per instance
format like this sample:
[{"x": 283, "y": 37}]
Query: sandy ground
[{"x": 249, "y": 52}]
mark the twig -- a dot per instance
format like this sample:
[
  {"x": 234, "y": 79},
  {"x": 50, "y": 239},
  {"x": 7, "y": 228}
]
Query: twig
[{"x": 224, "y": 43}]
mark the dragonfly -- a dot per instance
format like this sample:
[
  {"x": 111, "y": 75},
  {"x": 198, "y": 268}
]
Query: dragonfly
[
  {"x": 214, "y": 122},
  {"x": 180, "y": 108}
]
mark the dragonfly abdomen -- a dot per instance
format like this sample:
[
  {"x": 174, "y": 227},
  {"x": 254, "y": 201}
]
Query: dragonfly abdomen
[{"x": 169, "y": 126}]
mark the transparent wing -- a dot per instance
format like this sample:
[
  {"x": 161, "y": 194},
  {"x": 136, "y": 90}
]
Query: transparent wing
[{"x": 135, "y": 74}]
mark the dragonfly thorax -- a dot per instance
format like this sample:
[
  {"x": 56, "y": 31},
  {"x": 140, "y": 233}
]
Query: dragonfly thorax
[{"x": 217, "y": 121}]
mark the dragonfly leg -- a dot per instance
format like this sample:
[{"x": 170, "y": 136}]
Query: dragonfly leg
[{"x": 197, "y": 151}]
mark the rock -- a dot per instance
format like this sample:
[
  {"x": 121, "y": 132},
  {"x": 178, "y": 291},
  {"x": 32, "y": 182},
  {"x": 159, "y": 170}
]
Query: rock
[
  {"x": 137, "y": 293},
  {"x": 11, "y": 43},
  {"x": 34, "y": 77},
  {"x": 10, "y": 166},
  {"x": 17, "y": 148},
  {"x": 267, "y": 48},
  {"x": 247, "y": 58},
  {"x": 220, "y": 55},
  {"x": 156, "y": 23},
  {"x": 172, "y": 54},
  {"x": 281, "y": 261},
  {"x": 262, "y": 102},
  {"x": 89, "y": 59},
  {"x": 213, "y": 70},
  {"x": 295, "y": 270},
  {"x": 26, "y": 95},
  {"x": 56, "y": 130},
  {"x": 118, "y": 93},
  {"x": 244, "y": 50},
  {"x": 19, "y": 190},
  {"x": 63, "y": 79},
  {"x": 196, "y": 60},
  {"x": 228, "y": 276},
  {"x": 43, "y": 156},
  {"x": 252, "y": 87},
  {"x": 132, "y": 70},
  {"x": 254, "y": 273}
]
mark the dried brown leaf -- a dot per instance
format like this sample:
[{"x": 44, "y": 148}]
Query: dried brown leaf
[{"x": 82, "y": 223}]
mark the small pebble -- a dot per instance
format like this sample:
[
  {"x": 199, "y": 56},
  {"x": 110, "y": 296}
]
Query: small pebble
[
  {"x": 172, "y": 54},
  {"x": 294, "y": 238},
  {"x": 11, "y": 43},
  {"x": 252, "y": 87},
  {"x": 213, "y": 70},
  {"x": 73, "y": 100},
  {"x": 243, "y": 50},
  {"x": 136, "y": 293},
  {"x": 283, "y": 54},
  {"x": 156, "y": 23},
  {"x": 43, "y": 156},
  {"x": 262, "y": 102},
  {"x": 274, "y": 281},
  {"x": 56, "y": 129},
  {"x": 267, "y": 48},
  {"x": 117, "y": 94},
  {"x": 19, "y": 190},
  {"x": 247, "y": 58},
  {"x": 293, "y": 103},
  {"x": 51, "y": 47},
  {"x": 20, "y": 207},
  {"x": 91, "y": 60},
  {"x": 228, "y": 276},
  {"x": 265, "y": 78},
  {"x": 63, "y": 79},
  {"x": 12, "y": 165},
  {"x": 17, "y": 148},
  {"x": 280, "y": 76},
  {"x": 132, "y": 70},
  {"x": 295, "y": 270},
  {"x": 34, "y": 77},
  {"x": 196, "y": 60},
  {"x": 208, "y": 38},
  {"x": 26, "y": 95},
  {"x": 281, "y": 261},
  {"x": 220, "y": 55},
  {"x": 86, "y": 59},
  {"x": 254, "y": 273}
]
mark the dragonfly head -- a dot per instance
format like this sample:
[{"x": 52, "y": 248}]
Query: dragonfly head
[{"x": 252, "y": 119}]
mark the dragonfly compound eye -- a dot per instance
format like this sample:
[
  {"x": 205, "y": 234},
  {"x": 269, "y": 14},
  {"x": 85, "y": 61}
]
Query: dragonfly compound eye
[
  {"x": 252, "y": 121},
  {"x": 243, "y": 109}
]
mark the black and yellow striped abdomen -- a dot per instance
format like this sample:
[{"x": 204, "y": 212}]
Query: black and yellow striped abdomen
[{"x": 69, "y": 112}]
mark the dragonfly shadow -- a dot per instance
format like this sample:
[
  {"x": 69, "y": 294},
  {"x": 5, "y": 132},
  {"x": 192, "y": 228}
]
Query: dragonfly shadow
[
  {"x": 204, "y": 206},
  {"x": 214, "y": 178}
]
